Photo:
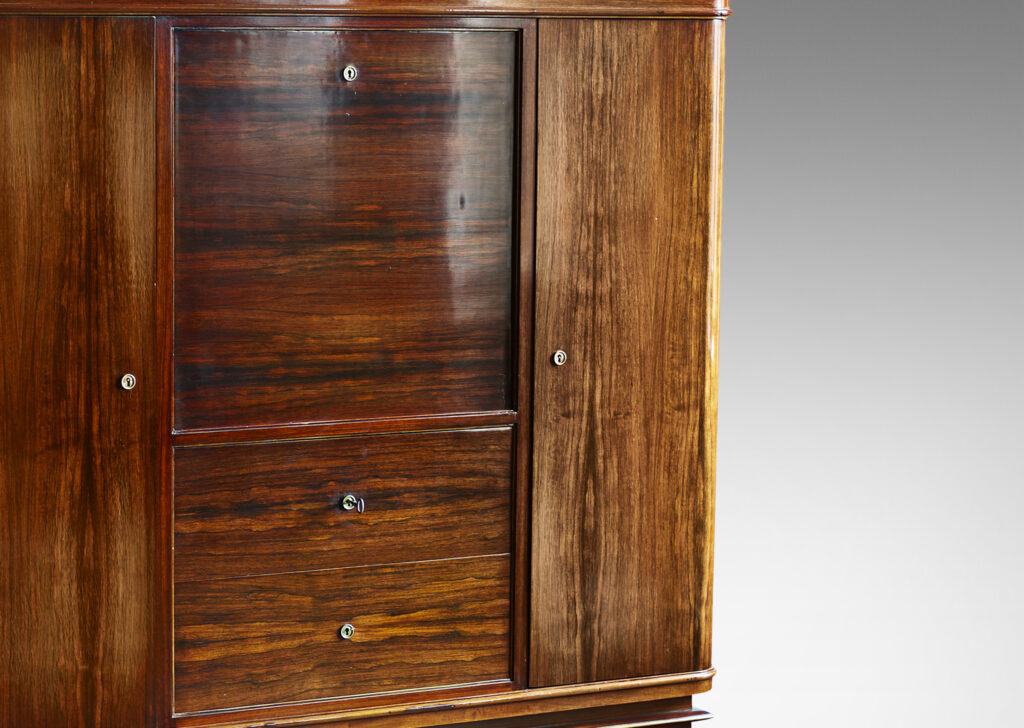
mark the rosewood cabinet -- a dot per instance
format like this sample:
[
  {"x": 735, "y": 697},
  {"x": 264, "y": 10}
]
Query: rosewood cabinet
[{"x": 359, "y": 362}]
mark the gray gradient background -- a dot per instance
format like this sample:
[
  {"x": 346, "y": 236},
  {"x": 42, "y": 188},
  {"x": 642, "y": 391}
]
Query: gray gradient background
[{"x": 870, "y": 540}]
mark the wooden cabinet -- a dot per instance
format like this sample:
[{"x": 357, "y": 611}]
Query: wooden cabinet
[{"x": 420, "y": 308}]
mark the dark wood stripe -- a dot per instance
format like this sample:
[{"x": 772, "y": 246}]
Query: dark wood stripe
[{"x": 527, "y": 185}]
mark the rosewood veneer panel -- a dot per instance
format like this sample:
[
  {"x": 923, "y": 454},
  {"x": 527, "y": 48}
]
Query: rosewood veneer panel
[
  {"x": 271, "y": 639},
  {"x": 275, "y": 507},
  {"x": 624, "y": 432},
  {"x": 80, "y": 596},
  {"x": 343, "y": 249}
]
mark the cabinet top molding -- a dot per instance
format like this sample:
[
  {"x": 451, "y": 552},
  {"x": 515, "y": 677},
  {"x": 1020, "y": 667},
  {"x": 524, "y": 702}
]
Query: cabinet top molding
[{"x": 532, "y": 8}]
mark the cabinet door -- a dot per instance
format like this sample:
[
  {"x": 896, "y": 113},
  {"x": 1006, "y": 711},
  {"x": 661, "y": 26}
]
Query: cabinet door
[
  {"x": 627, "y": 256},
  {"x": 343, "y": 224},
  {"x": 80, "y": 611}
]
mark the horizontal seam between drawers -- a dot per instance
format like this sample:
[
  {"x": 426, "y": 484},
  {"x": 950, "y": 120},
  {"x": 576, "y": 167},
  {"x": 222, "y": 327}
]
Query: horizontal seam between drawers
[{"x": 345, "y": 568}]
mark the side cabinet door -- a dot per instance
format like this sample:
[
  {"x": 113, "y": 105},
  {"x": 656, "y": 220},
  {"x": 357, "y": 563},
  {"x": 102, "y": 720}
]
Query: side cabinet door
[
  {"x": 627, "y": 259},
  {"x": 80, "y": 611}
]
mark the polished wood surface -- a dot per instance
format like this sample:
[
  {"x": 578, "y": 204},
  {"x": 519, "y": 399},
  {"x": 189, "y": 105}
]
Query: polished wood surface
[
  {"x": 164, "y": 326},
  {"x": 527, "y": 186},
  {"x": 80, "y": 600},
  {"x": 270, "y": 639},
  {"x": 626, "y": 285},
  {"x": 274, "y": 507},
  {"x": 454, "y": 706},
  {"x": 384, "y": 425},
  {"x": 678, "y": 713},
  {"x": 622, "y": 517},
  {"x": 573, "y": 8},
  {"x": 343, "y": 248}
]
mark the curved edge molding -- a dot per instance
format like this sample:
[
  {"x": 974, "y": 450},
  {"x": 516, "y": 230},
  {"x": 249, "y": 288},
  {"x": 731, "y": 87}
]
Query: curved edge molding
[
  {"x": 699, "y": 681},
  {"x": 569, "y": 8}
]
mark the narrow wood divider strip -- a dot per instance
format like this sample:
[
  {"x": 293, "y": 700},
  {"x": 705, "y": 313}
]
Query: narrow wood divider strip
[{"x": 346, "y": 428}]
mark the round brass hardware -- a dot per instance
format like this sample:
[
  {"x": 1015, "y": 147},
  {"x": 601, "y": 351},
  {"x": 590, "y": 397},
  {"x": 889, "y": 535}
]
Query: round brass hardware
[
  {"x": 559, "y": 358},
  {"x": 128, "y": 382},
  {"x": 351, "y": 73},
  {"x": 346, "y": 631}
]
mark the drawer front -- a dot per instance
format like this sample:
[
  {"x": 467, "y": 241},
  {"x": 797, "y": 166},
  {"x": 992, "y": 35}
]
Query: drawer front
[
  {"x": 342, "y": 248},
  {"x": 275, "y": 639},
  {"x": 277, "y": 507}
]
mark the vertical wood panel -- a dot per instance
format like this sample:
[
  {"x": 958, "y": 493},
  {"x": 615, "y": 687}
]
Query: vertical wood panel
[
  {"x": 77, "y": 582},
  {"x": 527, "y": 181},
  {"x": 162, "y": 701},
  {"x": 627, "y": 241}
]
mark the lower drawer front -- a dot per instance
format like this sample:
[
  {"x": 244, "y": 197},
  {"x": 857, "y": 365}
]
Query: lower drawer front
[
  {"x": 275, "y": 507},
  {"x": 275, "y": 639}
]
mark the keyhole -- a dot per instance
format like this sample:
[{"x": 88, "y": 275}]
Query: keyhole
[{"x": 351, "y": 502}]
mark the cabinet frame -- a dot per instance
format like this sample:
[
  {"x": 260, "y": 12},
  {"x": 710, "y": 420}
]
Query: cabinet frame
[{"x": 647, "y": 700}]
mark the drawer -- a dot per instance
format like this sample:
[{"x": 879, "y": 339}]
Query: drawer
[
  {"x": 274, "y": 639},
  {"x": 342, "y": 248},
  {"x": 277, "y": 507}
]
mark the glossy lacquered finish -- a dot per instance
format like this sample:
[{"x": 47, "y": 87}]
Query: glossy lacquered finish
[
  {"x": 333, "y": 297},
  {"x": 573, "y": 8},
  {"x": 539, "y": 707},
  {"x": 678, "y": 713},
  {"x": 80, "y": 582},
  {"x": 627, "y": 203},
  {"x": 268, "y": 639},
  {"x": 250, "y": 509},
  {"x": 343, "y": 249}
]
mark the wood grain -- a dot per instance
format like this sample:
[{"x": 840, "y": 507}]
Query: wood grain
[
  {"x": 343, "y": 249},
  {"x": 162, "y": 697},
  {"x": 628, "y": 225},
  {"x": 79, "y": 574},
  {"x": 275, "y": 507},
  {"x": 383, "y": 425},
  {"x": 627, "y": 246},
  {"x": 572, "y": 8},
  {"x": 456, "y": 706},
  {"x": 527, "y": 185},
  {"x": 417, "y": 625},
  {"x": 678, "y": 713}
]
